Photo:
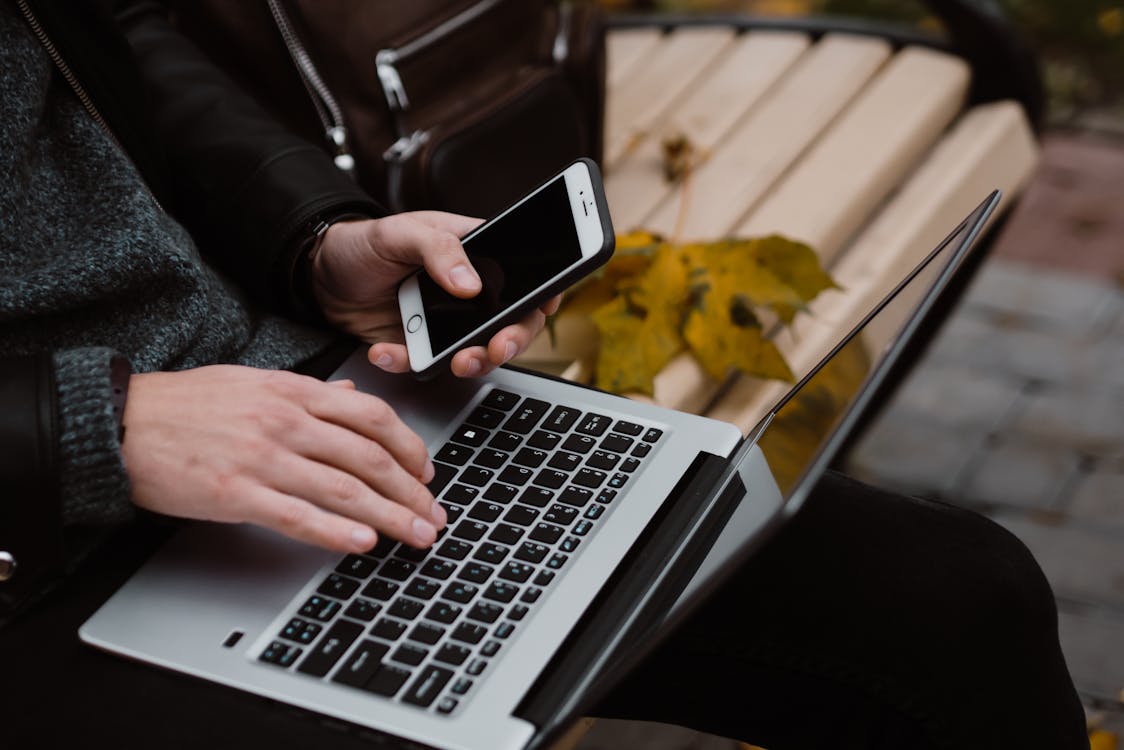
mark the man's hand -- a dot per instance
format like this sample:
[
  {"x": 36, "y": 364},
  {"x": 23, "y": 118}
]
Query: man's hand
[
  {"x": 355, "y": 278},
  {"x": 319, "y": 462}
]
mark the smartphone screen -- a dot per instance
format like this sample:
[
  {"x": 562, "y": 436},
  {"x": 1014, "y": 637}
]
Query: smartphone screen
[{"x": 515, "y": 255}]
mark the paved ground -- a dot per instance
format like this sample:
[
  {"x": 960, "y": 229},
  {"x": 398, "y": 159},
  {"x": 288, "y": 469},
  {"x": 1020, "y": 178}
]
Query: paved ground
[{"x": 1018, "y": 411}]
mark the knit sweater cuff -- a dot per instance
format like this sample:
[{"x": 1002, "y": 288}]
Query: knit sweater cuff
[{"x": 94, "y": 484}]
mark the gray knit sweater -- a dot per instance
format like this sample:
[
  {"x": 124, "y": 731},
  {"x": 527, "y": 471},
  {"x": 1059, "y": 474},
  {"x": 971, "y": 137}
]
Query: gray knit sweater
[{"x": 91, "y": 266}]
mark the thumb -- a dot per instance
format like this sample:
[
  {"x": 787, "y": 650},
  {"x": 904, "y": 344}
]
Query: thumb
[{"x": 413, "y": 242}]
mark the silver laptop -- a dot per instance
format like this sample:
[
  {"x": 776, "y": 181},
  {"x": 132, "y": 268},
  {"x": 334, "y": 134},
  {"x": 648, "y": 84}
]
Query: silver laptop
[{"x": 582, "y": 527}]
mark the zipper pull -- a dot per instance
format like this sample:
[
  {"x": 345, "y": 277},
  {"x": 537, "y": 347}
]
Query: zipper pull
[
  {"x": 390, "y": 80},
  {"x": 405, "y": 147},
  {"x": 343, "y": 159}
]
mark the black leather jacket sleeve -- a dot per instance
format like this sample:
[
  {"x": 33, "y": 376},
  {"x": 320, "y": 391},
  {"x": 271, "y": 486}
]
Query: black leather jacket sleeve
[
  {"x": 30, "y": 515},
  {"x": 247, "y": 189}
]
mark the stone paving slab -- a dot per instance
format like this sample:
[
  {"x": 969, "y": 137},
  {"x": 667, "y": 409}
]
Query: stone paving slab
[
  {"x": 1083, "y": 562},
  {"x": 1087, "y": 418},
  {"x": 1018, "y": 472},
  {"x": 1098, "y": 497},
  {"x": 1094, "y": 651},
  {"x": 960, "y": 395},
  {"x": 611, "y": 734}
]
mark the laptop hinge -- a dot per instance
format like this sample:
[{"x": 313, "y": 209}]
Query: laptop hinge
[{"x": 634, "y": 599}]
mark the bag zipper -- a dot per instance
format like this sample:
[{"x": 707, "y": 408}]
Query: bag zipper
[
  {"x": 327, "y": 108},
  {"x": 76, "y": 86}
]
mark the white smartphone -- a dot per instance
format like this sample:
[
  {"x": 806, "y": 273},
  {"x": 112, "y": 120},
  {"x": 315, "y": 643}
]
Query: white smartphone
[{"x": 546, "y": 241}]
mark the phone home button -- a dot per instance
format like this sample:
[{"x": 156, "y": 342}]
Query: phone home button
[{"x": 414, "y": 323}]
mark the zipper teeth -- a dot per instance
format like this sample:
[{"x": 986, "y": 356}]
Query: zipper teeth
[
  {"x": 311, "y": 79},
  {"x": 76, "y": 86},
  {"x": 467, "y": 15}
]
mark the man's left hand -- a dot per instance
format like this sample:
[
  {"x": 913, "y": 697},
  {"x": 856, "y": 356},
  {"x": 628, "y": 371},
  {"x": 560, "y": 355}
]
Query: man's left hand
[{"x": 356, "y": 273}]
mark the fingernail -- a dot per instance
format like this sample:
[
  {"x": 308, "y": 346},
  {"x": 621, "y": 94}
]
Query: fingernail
[
  {"x": 438, "y": 514},
  {"x": 424, "y": 533},
  {"x": 509, "y": 351},
  {"x": 363, "y": 538},
  {"x": 472, "y": 368},
  {"x": 384, "y": 361},
  {"x": 464, "y": 278},
  {"x": 428, "y": 472}
]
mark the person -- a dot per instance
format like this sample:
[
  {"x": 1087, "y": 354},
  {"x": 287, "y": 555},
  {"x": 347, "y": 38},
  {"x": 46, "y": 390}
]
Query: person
[{"x": 171, "y": 255}]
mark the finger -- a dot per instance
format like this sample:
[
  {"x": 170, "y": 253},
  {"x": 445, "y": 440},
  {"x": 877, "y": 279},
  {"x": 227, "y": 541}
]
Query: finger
[
  {"x": 301, "y": 520},
  {"x": 346, "y": 496},
  {"x": 512, "y": 340},
  {"x": 551, "y": 305},
  {"x": 389, "y": 357},
  {"x": 470, "y": 362},
  {"x": 375, "y": 420},
  {"x": 345, "y": 383},
  {"x": 445, "y": 221},
  {"x": 413, "y": 242},
  {"x": 369, "y": 462}
]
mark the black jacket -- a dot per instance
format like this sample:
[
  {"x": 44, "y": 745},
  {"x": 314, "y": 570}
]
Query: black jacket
[{"x": 249, "y": 192}]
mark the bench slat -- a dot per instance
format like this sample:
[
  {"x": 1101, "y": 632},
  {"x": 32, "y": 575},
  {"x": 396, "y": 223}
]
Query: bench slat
[
  {"x": 864, "y": 155},
  {"x": 991, "y": 146},
  {"x": 765, "y": 144},
  {"x": 635, "y": 106},
  {"x": 636, "y": 183},
  {"x": 624, "y": 49}
]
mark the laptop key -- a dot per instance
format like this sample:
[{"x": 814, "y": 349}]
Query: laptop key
[
  {"x": 505, "y": 441},
  {"x": 427, "y": 686},
  {"x": 617, "y": 480},
  {"x": 460, "y": 592},
  {"x": 454, "y": 454},
  {"x": 381, "y": 590},
  {"x": 357, "y": 566},
  {"x": 504, "y": 630},
  {"x": 461, "y": 494},
  {"x": 361, "y": 666},
  {"x": 440, "y": 569},
  {"x": 452, "y": 512},
  {"x": 443, "y": 612},
  {"x": 569, "y": 544},
  {"x": 406, "y": 609},
  {"x": 531, "y": 595},
  {"x": 466, "y": 632},
  {"x": 583, "y": 527},
  {"x": 615, "y": 443},
  {"x": 544, "y": 440},
  {"x": 300, "y": 631},
  {"x": 281, "y": 653},
  {"x": 606, "y": 496},
  {"x": 562, "y": 418},
  {"x": 579, "y": 497},
  {"x": 630, "y": 465},
  {"x": 564, "y": 461},
  {"x": 475, "y": 572},
  {"x": 526, "y": 416},
  {"x": 337, "y": 586},
  {"x": 476, "y": 667},
  {"x": 470, "y": 530},
  {"x": 652, "y": 435},
  {"x": 491, "y": 553},
  {"x": 330, "y": 648},
  {"x": 454, "y": 549},
  {"x": 594, "y": 512},
  {"x": 579, "y": 444},
  {"x": 589, "y": 477},
  {"x": 484, "y": 417},
  {"x": 491, "y": 458},
  {"x": 476, "y": 476},
  {"x": 441, "y": 476},
  {"x": 500, "y": 399},
  {"x": 531, "y": 457},
  {"x": 603, "y": 460},
  {"x": 544, "y": 578},
  {"x": 387, "y": 681},
  {"x": 628, "y": 428},
  {"x": 363, "y": 609},
  {"x": 563, "y": 515},
  {"x": 518, "y": 572},
  {"x": 521, "y": 515},
  {"x": 320, "y": 608},
  {"x": 473, "y": 437},
  {"x": 593, "y": 424},
  {"x": 398, "y": 570},
  {"x": 532, "y": 552},
  {"x": 501, "y": 592},
  {"x": 490, "y": 648},
  {"x": 517, "y": 475},
  {"x": 556, "y": 561},
  {"x": 551, "y": 478},
  {"x": 485, "y": 612},
  {"x": 391, "y": 630},
  {"x": 641, "y": 450},
  {"x": 518, "y": 612},
  {"x": 505, "y": 533},
  {"x": 453, "y": 654},
  {"x": 411, "y": 655},
  {"x": 536, "y": 496},
  {"x": 425, "y": 633},
  {"x": 486, "y": 512},
  {"x": 547, "y": 533},
  {"x": 500, "y": 493},
  {"x": 413, "y": 554},
  {"x": 461, "y": 686},
  {"x": 446, "y": 705}
]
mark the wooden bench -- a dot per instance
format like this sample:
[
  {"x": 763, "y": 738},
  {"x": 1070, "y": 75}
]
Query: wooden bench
[{"x": 869, "y": 147}]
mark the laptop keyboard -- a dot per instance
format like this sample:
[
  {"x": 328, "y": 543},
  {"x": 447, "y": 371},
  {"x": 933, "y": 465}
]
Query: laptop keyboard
[{"x": 524, "y": 483}]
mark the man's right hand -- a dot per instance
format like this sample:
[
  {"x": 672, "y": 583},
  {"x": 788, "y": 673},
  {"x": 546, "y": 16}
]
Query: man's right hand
[{"x": 319, "y": 462}]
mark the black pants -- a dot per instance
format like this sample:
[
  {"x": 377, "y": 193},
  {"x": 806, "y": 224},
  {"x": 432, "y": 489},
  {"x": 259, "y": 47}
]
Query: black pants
[{"x": 871, "y": 621}]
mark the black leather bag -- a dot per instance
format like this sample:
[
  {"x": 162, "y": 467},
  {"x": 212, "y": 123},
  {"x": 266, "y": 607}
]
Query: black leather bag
[{"x": 459, "y": 105}]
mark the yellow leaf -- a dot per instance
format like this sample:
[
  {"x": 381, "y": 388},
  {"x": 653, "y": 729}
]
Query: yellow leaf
[
  {"x": 1102, "y": 740},
  {"x": 633, "y": 255},
  {"x": 719, "y": 344},
  {"x": 635, "y": 345}
]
